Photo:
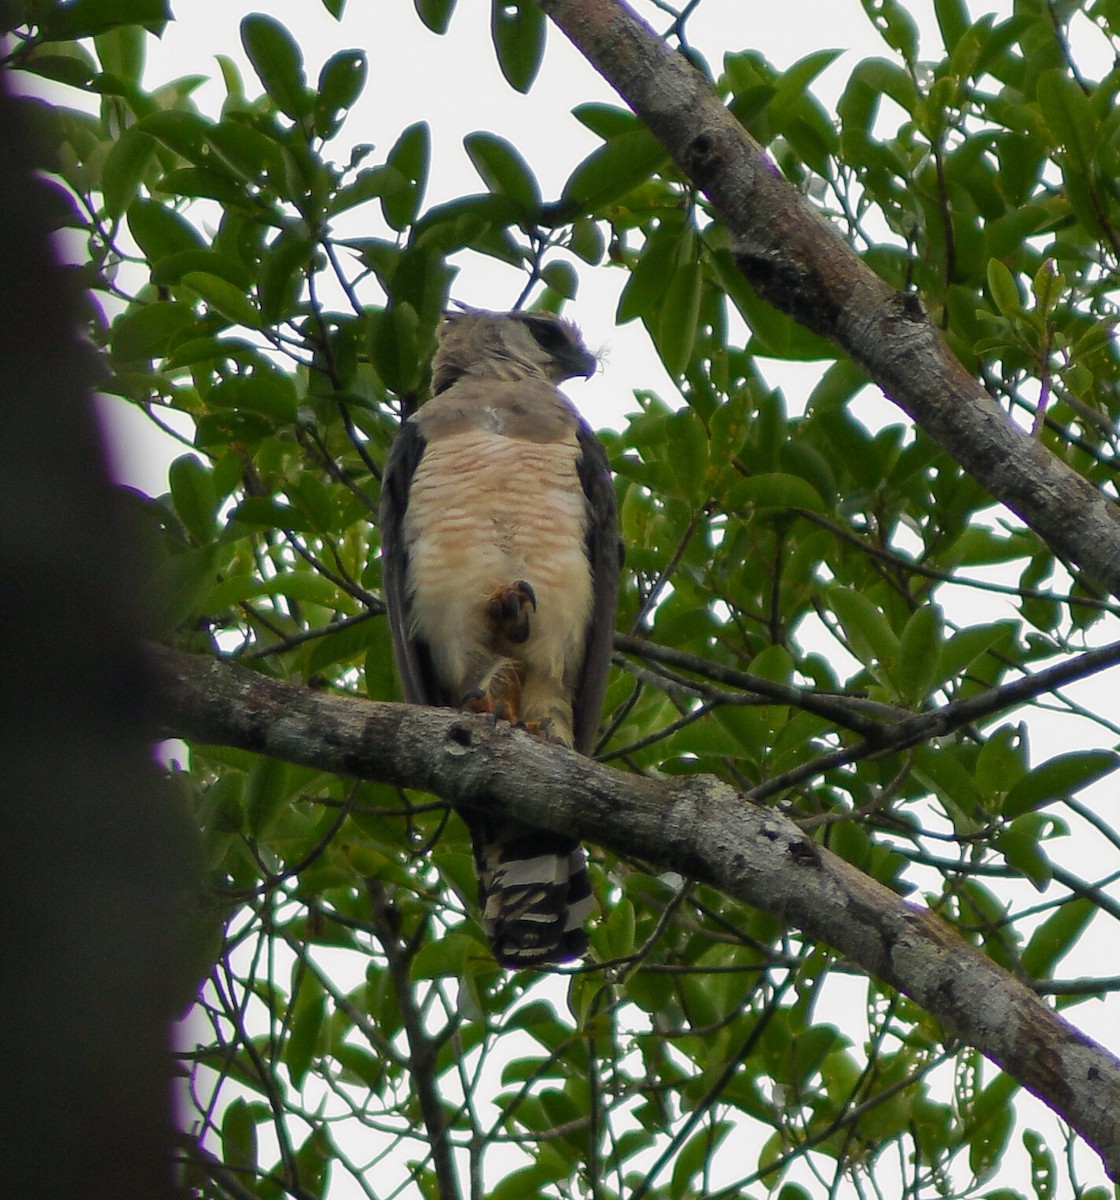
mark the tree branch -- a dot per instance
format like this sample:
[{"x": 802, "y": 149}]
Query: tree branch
[
  {"x": 799, "y": 263},
  {"x": 695, "y": 825},
  {"x": 422, "y": 1049}
]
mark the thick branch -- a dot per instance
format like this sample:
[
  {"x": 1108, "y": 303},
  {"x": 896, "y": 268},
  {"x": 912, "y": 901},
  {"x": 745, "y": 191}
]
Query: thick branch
[
  {"x": 696, "y": 825},
  {"x": 795, "y": 260}
]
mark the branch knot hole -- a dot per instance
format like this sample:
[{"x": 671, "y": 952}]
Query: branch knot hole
[
  {"x": 703, "y": 153},
  {"x": 460, "y": 739}
]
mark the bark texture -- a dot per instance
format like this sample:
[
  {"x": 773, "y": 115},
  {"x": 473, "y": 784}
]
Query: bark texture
[
  {"x": 799, "y": 263},
  {"x": 698, "y": 826}
]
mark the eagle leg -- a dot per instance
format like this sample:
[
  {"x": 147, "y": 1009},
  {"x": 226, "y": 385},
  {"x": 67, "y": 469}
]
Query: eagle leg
[
  {"x": 508, "y": 610},
  {"x": 499, "y": 695}
]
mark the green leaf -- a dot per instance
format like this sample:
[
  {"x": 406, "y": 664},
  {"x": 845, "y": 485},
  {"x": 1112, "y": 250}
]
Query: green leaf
[
  {"x": 121, "y": 51},
  {"x": 271, "y": 395},
  {"x": 587, "y": 241},
  {"x": 359, "y": 1066},
  {"x": 248, "y": 155},
  {"x": 340, "y": 83},
  {"x": 223, "y": 297},
  {"x": 523, "y": 1182},
  {"x": 993, "y": 1120},
  {"x": 371, "y": 183},
  {"x": 75, "y": 68},
  {"x": 309, "y": 1011},
  {"x": 1056, "y": 936},
  {"x": 502, "y": 168},
  {"x": 393, "y": 346},
  {"x": 1001, "y": 764},
  {"x": 181, "y": 586},
  {"x": 1043, "y": 1170},
  {"x": 84, "y": 18},
  {"x": 146, "y": 332},
  {"x": 192, "y": 492},
  {"x": 518, "y": 29},
  {"x": 606, "y": 120},
  {"x": 239, "y": 1136},
  {"x": 615, "y": 168},
  {"x": 952, "y": 20},
  {"x": 269, "y": 782},
  {"x": 348, "y": 644},
  {"x": 1058, "y": 778},
  {"x": 281, "y": 278},
  {"x": 295, "y": 585},
  {"x": 173, "y": 268},
  {"x": 872, "y": 78},
  {"x": 919, "y": 648},
  {"x": 201, "y": 182},
  {"x": 436, "y": 14},
  {"x": 1068, "y": 114},
  {"x": 693, "y": 1155},
  {"x": 967, "y": 645},
  {"x": 689, "y": 459},
  {"x": 977, "y": 545},
  {"x": 679, "y": 317},
  {"x": 124, "y": 168},
  {"x": 445, "y": 957},
  {"x": 1019, "y": 844},
  {"x": 895, "y": 26},
  {"x": 772, "y": 492},
  {"x": 940, "y": 769},
  {"x": 869, "y": 634},
  {"x": 1047, "y": 286},
  {"x": 183, "y": 132},
  {"x": 192, "y": 350},
  {"x": 278, "y": 62},
  {"x": 1003, "y": 289},
  {"x": 650, "y": 275},
  {"x": 269, "y": 514},
  {"x": 561, "y": 277},
  {"x": 792, "y": 92},
  {"x": 409, "y": 156}
]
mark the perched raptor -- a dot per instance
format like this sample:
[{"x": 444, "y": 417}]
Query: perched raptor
[{"x": 501, "y": 560}]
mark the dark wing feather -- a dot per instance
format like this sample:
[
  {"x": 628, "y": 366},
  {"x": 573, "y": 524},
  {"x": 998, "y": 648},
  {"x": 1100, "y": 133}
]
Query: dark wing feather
[
  {"x": 604, "y": 552},
  {"x": 414, "y": 661}
]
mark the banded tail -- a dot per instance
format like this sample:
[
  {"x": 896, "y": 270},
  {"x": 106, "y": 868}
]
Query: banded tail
[{"x": 535, "y": 894}]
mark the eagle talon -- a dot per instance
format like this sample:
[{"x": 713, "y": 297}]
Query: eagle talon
[
  {"x": 483, "y": 703},
  {"x": 508, "y": 610}
]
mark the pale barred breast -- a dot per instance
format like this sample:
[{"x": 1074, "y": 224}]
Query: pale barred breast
[{"x": 484, "y": 511}]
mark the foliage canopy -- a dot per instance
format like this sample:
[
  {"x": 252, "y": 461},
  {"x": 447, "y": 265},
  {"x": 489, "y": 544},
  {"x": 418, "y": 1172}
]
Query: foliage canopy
[{"x": 349, "y": 1009}]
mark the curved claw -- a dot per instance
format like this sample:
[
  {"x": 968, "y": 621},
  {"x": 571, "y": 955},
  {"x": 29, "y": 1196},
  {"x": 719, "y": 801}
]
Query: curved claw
[
  {"x": 508, "y": 610},
  {"x": 497, "y": 707}
]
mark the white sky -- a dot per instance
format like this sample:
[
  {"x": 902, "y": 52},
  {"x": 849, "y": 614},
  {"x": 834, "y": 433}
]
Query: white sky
[{"x": 453, "y": 82}]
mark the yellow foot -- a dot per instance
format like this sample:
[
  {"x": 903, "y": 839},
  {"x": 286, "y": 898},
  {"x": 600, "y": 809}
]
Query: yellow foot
[{"x": 499, "y": 708}]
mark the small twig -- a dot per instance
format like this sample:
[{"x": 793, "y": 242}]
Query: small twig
[
  {"x": 291, "y": 641},
  {"x": 911, "y": 731},
  {"x": 664, "y": 575}
]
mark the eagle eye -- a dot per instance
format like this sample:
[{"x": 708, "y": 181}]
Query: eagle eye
[{"x": 549, "y": 336}]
